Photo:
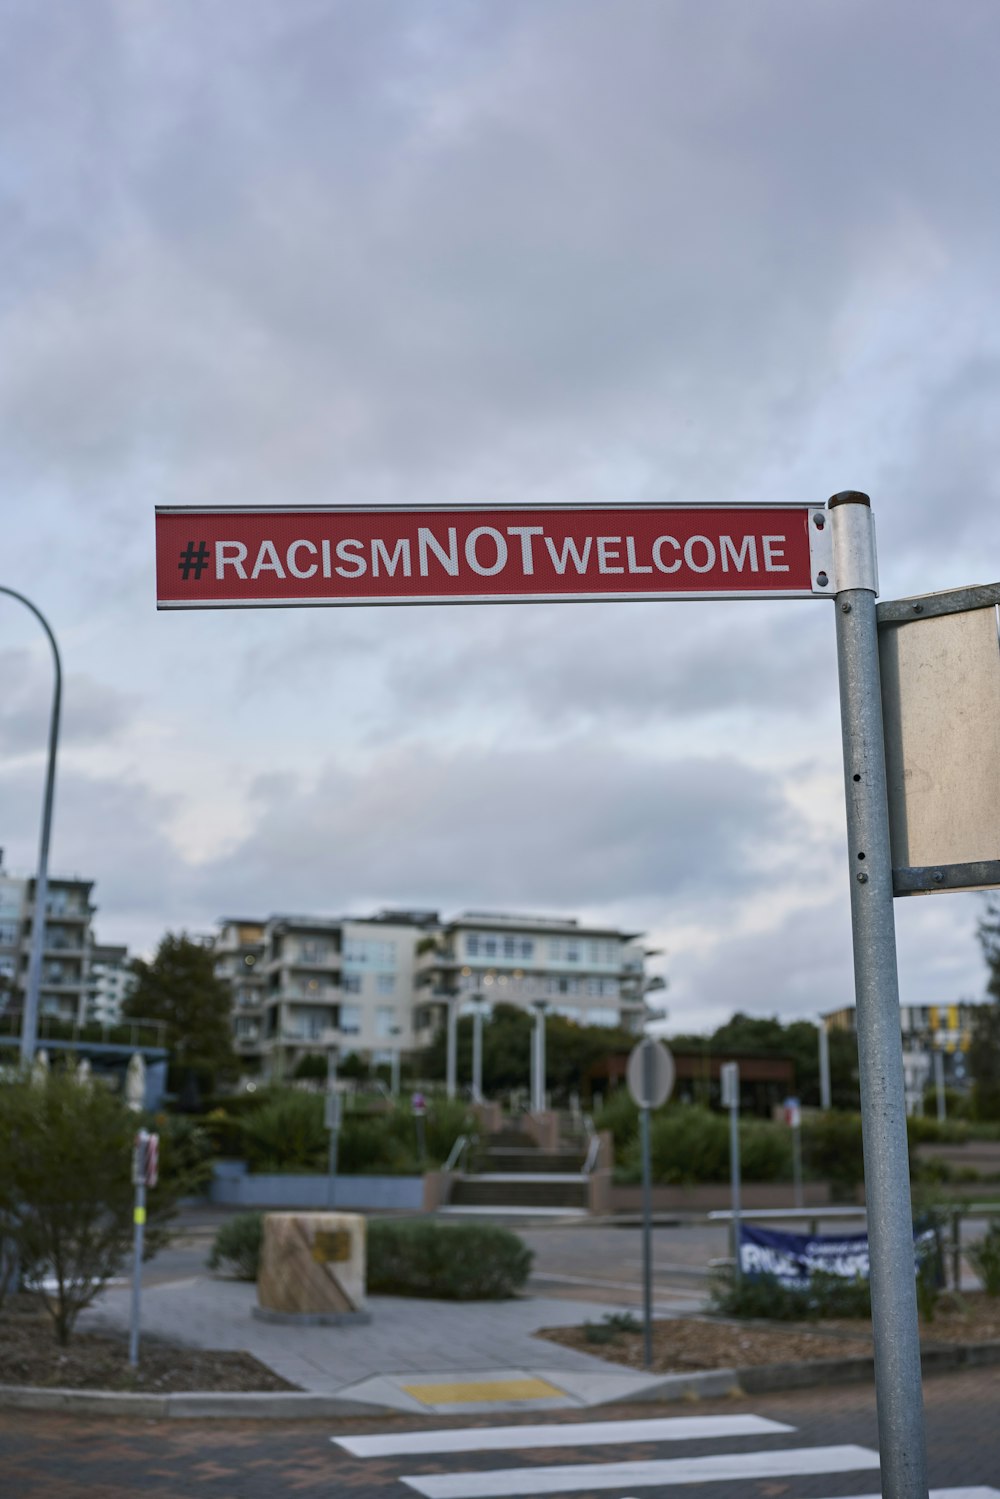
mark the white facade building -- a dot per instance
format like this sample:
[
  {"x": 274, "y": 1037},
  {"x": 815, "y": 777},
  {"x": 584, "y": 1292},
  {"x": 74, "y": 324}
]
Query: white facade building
[
  {"x": 110, "y": 981},
  {"x": 66, "y": 953}
]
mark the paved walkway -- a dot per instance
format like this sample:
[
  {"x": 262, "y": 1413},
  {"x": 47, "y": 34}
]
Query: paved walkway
[{"x": 413, "y": 1356}]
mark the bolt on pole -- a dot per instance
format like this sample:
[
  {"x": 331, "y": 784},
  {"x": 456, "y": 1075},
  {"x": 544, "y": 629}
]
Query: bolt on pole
[{"x": 899, "y": 1400}]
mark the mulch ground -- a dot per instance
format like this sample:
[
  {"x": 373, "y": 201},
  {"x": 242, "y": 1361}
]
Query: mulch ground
[
  {"x": 683, "y": 1344},
  {"x": 30, "y": 1355}
]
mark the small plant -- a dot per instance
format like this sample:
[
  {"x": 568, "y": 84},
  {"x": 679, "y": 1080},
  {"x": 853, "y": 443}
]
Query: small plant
[
  {"x": 237, "y": 1246},
  {"x": 456, "y": 1262},
  {"x": 984, "y": 1258},
  {"x": 610, "y": 1327}
]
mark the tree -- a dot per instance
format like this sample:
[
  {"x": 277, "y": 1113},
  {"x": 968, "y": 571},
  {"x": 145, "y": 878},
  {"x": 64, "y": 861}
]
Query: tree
[
  {"x": 181, "y": 988},
  {"x": 756, "y": 1036},
  {"x": 66, "y": 1191}
]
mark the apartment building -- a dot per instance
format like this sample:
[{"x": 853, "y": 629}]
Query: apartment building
[
  {"x": 926, "y": 1029},
  {"x": 306, "y": 986},
  {"x": 593, "y": 974},
  {"x": 110, "y": 981},
  {"x": 66, "y": 954}
]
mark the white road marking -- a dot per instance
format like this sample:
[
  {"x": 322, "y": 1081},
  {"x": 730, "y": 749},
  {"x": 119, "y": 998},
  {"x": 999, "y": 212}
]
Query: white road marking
[
  {"x": 582, "y": 1434},
  {"x": 717, "y": 1468}
]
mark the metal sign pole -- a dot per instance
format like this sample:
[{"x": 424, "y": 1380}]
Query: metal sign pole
[
  {"x": 880, "y": 1054},
  {"x": 942, "y": 1106},
  {"x": 451, "y": 1060},
  {"x": 648, "y": 1088},
  {"x": 825, "y": 1092},
  {"x": 730, "y": 1079},
  {"x": 139, "y": 1224},
  {"x": 333, "y": 1124}
]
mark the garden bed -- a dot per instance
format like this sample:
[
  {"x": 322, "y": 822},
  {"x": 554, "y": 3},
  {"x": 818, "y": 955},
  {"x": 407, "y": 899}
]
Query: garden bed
[
  {"x": 687, "y": 1344},
  {"x": 30, "y": 1355}
]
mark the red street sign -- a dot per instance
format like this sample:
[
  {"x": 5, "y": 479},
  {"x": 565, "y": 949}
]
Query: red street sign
[{"x": 471, "y": 554}]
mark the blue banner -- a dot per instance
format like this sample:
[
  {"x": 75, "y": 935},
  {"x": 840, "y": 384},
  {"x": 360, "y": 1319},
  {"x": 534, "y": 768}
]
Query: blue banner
[{"x": 793, "y": 1259}]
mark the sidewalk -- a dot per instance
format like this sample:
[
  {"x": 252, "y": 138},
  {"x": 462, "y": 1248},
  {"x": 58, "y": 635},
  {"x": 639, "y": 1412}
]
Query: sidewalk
[{"x": 418, "y": 1356}]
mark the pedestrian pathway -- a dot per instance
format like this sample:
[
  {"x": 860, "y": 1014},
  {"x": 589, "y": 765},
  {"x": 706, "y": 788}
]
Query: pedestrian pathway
[
  {"x": 722, "y": 1448},
  {"x": 414, "y": 1356}
]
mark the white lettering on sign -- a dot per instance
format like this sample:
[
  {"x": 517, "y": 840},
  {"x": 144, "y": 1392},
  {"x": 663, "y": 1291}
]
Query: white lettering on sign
[
  {"x": 527, "y": 555},
  {"x": 428, "y": 542},
  {"x": 471, "y": 557},
  {"x": 400, "y": 555},
  {"x": 487, "y": 553},
  {"x": 230, "y": 554},
  {"x": 268, "y": 561},
  {"x": 561, "y": 559},
  {"x": 350, "y": 551},
  {"x": 772, "y": 552},
  {"x": 291, "y": 561}
]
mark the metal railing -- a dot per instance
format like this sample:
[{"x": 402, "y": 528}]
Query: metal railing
[{"x": 457, "y": 1152}]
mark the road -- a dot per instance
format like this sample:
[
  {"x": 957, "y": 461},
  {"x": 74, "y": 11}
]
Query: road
[{"x": 801, "y": 1445}]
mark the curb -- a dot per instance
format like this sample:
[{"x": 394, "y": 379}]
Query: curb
[{"x": 298, "y": 1405}]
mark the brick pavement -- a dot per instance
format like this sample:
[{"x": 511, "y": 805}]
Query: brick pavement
[{"x": 45, "y": 1456}]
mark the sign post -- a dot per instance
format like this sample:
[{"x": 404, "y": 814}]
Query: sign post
[
  {"x": 825, "y": 1093},
  {"x": 234, "y": 557},
  {"x": 651, "y": 1082},
  {"x": 729, "y": 1077},
  {"x": 145, "y": 1173},
  {"x": 942, "y": 1105},
  {"x": 332, "y": 1120},
  {"x": 418, "y": 1105},
  {"x": 876, "y": 982}
]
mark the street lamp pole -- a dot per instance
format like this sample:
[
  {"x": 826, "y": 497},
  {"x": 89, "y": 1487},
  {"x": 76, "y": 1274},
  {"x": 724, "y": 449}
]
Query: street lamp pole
[
  {"x": 29, "y": 1017},
  {"x": 538, "y": 1058}
]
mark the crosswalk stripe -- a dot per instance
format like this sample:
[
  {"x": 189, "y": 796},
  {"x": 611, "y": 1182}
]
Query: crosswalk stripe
[
  {"x": 582, "y": 1434},
  {"x": 978, "y": 1491},
  {"x": 564, "y": 1479}
]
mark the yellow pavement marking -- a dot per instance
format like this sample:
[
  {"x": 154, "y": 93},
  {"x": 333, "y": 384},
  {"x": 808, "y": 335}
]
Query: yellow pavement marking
[{"x": 471, "y": 1392}]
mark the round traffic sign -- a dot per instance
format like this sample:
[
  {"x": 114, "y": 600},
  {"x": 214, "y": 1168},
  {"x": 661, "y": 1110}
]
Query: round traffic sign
[{"x": 650, "y": 1073}]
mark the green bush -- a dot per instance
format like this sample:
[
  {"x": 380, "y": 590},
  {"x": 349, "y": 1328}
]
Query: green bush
[
  {"x": 454, "y": 1262},
  {"x": 984, "y": 1258},
  {"x": 237, "y": 1245},
  {"x": 763, "y": 1296},
  {"x": 286, "y": 1133},
  {"x": 66, "y": 1194},
  {"x": 831, "y": 1148},
  {"x": 619, "y": 1114},
  {"x": 690, "y": 1144}
]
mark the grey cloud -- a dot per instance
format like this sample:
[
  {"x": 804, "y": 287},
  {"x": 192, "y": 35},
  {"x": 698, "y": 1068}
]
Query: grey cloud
[
  {"x": 510, "y": 826},
  {"x": 93, "y": 712}
]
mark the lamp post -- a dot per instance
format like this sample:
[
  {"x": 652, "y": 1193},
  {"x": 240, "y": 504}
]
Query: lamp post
[
  {"x": 395, "y": 1032},
  {"x": 451, "y": 1064},
  {"x": 29, "y": 1017},
  {"x": 538, "y": 1057},
  {"x": 478, "y": 1008}
]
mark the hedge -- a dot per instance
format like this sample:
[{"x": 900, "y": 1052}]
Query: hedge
[{"x": 406, "y": 1257}]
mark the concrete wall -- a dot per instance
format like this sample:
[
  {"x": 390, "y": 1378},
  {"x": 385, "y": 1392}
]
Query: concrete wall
[
  {"x": 705, "y": 1198},
  {"x": 233, "y": 1186}
]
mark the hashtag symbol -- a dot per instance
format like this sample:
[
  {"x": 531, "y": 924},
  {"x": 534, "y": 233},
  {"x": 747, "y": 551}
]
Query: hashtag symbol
[{"x": 193, "y": 560}]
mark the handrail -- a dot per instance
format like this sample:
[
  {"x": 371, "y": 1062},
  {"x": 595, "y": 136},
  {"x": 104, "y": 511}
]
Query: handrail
[{"x": 456, "y": 1153}]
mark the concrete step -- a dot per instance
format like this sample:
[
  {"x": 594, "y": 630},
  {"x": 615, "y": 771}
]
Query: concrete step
[
  {"x": 568, "y": 1162},
  {"x": 504, "y": 1189}
]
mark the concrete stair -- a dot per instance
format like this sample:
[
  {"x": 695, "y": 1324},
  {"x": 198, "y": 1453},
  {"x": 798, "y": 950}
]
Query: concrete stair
[{"x": 517, "y": 1176}]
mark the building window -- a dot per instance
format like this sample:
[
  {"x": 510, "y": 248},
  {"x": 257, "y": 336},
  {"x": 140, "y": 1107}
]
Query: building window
[
  {"x": 472, "y": 945},
  {"x": 352, "y": 983},
  {"x": 385, "y": 1019},
  {"x": 366, "y": 952},
  {"x": 385, "y": 983},
  {"x": 350, "y": 1019},
  {"x": 313, "y": 952}
]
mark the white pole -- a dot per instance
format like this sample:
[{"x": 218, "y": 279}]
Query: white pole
[
  {"x": 451, "y": 1072},
  {"x": 825, "y": 1095},
  {"x": 477, "y": 1053},
  {"x": 942, "y": 1107}
]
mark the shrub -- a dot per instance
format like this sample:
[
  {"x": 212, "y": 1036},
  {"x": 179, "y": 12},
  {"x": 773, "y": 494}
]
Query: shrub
[
  {"x": 984, "y": 1258},
  {"x": 455, "y": 1262},
  {"x": 620, "y": 1115},
  {"x": 66, "y": 1181},
  {"x": 237, "y": 1244},
  {"x": 286, "y": 1133},
  {"x": 763, "y": 1296},
  {"x": 691, "y": 1144},
  {"x": 831, "y": 1148}
]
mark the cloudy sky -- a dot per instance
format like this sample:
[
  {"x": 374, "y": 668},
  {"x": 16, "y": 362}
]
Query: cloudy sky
[{"x": 345, "y": 251}]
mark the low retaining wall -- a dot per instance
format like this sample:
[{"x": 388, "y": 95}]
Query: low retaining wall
[
  {"x": 233, "y": 1186},
  {"x": 705, "y": 1198}
]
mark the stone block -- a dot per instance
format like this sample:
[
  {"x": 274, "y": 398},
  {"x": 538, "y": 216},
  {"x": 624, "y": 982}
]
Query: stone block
[{"x": 312, "y": 1268}]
